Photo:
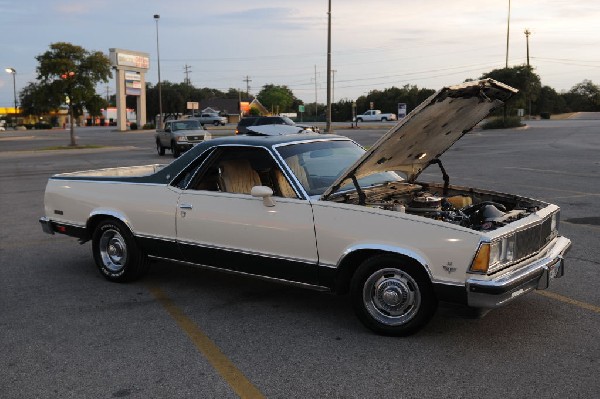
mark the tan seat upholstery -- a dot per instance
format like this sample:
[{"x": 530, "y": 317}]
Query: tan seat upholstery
[
  {"x": 294, "y": 164},
  {"x": 284, "y": 186},
  {"x": 237, "y": 176}
]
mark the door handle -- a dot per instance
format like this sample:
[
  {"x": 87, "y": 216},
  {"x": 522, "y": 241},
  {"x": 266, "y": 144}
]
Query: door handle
[{"x": 185, "y": 206}]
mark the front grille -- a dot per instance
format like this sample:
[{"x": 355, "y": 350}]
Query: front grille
[
  {"x": 195, "y": 138},
  {"x": 530, "y": 240}
]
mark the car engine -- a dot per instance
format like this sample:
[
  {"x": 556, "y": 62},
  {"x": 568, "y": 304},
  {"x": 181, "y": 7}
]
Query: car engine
[{"x": 478, "y": 210}]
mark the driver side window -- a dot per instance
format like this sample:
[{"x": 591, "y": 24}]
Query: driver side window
[{"x": 238, "y": 169}]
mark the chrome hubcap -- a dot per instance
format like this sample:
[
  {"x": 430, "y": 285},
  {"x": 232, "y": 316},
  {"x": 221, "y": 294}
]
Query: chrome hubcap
[
  {"x": 113, "y": 250},
  {"x": 391, "y": 296}
]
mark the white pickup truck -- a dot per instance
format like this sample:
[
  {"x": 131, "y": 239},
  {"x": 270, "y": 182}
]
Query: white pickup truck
[
  {"x": 375, "y": 115},
  {"x": 318, "y": 211}
]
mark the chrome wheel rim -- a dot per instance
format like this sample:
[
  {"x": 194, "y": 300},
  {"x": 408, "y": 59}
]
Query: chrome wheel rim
[
  {"x": 113, "y": 250},
  {"x": 391, "y": 296}
]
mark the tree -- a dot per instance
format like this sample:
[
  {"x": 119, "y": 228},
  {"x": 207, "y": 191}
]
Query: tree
[
  {"x": 520, "y": 77},
  {"x": 67, "y": 74},
  {"x": 387, "y": 100},
  {"x": 277, "y": 98},
  {"x": 549, "y": 102},
  {"x": 584, "y": 97}
]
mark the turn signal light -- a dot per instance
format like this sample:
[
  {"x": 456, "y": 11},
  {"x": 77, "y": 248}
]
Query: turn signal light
[{"x": 482, "y": 259}]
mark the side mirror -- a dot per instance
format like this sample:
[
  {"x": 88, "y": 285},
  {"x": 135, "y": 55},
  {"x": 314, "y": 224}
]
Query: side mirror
[{"x": 265, "y": 193}]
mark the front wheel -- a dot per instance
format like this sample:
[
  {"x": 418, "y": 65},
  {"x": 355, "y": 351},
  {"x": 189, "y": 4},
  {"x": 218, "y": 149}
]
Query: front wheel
[
  {"x": 392, "y": 296},
  {"x": 216, "y": 123},
  {"x": 159, "y": 148},
  {"x": 175, "y": 150},
  {"x": 384, "y": 119},
  {"x": 116, "y": 253}
]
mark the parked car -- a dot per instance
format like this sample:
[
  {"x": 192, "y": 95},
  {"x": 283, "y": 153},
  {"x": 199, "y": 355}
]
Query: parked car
[
  {"x": 375, "y": 115},
  {"x": 210, "y": 119},
  {"x": 244, "y": 123},
  {"x": 179, "y": 135},
  {"x": 321, "y": 212}
]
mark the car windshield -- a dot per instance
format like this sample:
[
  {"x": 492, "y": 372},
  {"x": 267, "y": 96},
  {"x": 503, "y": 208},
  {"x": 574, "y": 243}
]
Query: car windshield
[
  {"x": 318, "y": 164},
  {"x": 186, "y": 125}
]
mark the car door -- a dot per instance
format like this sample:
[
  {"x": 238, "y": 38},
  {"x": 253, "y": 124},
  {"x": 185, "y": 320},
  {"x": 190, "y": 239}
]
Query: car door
[
  {"x": 220, "y": 224},
  {"x": 165, "y": 135}
]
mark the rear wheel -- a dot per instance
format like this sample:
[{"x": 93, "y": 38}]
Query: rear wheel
[
  {"x": 116, "y": 253},
  {"x": 159, "y": 148},
  {"x": 392, "y": 296}
]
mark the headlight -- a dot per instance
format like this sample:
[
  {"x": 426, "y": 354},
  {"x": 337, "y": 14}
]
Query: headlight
[
  {"x": 495, "y": 255},
  {"x": 181, "y": 138}
]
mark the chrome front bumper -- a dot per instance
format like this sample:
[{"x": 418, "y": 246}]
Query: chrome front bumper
[{"x": 506, "y": 287}]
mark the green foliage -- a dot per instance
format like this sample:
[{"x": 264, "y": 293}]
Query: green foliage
[
  {"x": 175, "y": 97},
  {"x": 584, "y": 97},
  {"x": 549, "y": 102},
  {"x": 66, "y": 70},
  {"x": 133, "y": 126},
  {"x": 386, "y": 100},
  {"x": 520, "y": 77},
  {"x": 277, "y": 98},
  {"x": 254, "y": 111},
  {"x": 502, "y": 123},
  {"x": 149, "y": 126}
]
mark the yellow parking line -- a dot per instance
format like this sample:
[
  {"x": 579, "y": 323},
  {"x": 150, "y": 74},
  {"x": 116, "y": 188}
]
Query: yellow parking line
[
  {"x": 230, "y": 373},
  {"x": 568, "y": 300}
]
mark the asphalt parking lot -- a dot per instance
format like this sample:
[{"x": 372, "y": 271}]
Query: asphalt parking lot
[{"x": 184, "y": 332}]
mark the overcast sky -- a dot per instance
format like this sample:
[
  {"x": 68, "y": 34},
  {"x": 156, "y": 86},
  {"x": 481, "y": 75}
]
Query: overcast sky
[{"x": 376, "y": 44}]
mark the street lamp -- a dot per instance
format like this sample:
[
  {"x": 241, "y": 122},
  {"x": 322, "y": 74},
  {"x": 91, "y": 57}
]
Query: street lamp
[
  {"x": 328, "y": 121},
  {"x": 13, "y": 72},
  {"x": 160, "y": 119}
]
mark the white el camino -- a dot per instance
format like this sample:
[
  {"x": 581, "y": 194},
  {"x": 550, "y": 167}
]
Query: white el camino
[{"x": 321, "y": 212}]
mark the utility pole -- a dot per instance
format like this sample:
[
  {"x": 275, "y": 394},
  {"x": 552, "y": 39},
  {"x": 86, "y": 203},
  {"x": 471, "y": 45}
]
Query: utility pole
[
  {"x": 328, "y": 121},
  {"x": 187, "y": 70},
  {"x": 247, "y": 80},
  {"x": 527, "y": 33},
  {"x": 316, "y": 109},
  {"x": 333, "y": 71}
]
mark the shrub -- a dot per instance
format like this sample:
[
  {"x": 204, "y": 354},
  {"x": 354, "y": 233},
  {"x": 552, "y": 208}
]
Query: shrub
[
  {"x": 133, "y": 126},
  {"x": 501, "y": 123},
  {"x": 148, "y": 126},
  {"x": 545, "y": 115}
]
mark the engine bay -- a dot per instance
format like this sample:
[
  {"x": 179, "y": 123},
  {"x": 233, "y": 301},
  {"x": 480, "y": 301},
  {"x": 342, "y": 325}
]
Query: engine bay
[{"x": 475, "y": 209}]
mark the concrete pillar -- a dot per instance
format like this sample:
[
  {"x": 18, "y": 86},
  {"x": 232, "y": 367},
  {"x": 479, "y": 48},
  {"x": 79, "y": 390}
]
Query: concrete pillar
[
  {"x": 141, "y": 103},
  {"x": 121, "y": 103}
]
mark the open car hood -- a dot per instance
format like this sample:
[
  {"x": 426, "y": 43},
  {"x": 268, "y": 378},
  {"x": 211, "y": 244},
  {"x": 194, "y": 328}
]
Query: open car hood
[{"x": 428, "y": 131}]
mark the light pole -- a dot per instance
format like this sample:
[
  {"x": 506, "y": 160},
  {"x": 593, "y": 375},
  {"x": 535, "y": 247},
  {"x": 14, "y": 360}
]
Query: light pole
[
  {"x": 507, "y": 34},
  {"x": 527, "y": 33},
  {"x": 160, "y": 119},
  {"x": 328, "y": 122},
  {"x": 13, "y": 72}
]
